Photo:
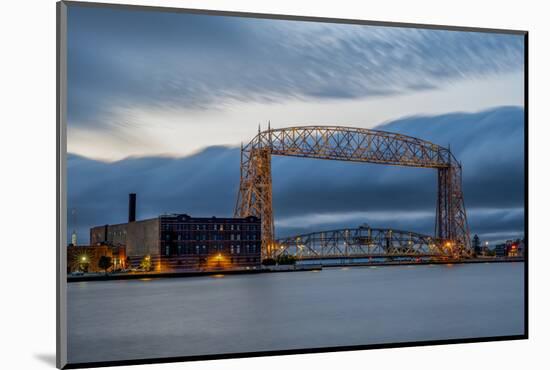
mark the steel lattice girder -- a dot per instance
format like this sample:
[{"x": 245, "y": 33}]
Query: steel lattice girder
[
  {"x": 356, "y": 145},
  {"x": 361, "y": 242}
]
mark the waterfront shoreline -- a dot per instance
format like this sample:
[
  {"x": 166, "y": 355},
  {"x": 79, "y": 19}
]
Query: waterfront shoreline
[
  {"x": 181, "y": 274},
  {"x": 441, "y": 262},
  {"x": 299, "y": 268}
]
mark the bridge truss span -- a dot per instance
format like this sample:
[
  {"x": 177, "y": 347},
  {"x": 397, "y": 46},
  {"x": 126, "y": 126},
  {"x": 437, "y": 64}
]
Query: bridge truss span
[
  {"x": 355, "y": 145},
  {"x": 361, "y": 242}
]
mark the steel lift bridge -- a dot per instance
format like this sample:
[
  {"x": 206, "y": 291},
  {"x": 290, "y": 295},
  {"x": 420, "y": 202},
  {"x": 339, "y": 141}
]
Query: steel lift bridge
[{"x": 452, "y": 235}]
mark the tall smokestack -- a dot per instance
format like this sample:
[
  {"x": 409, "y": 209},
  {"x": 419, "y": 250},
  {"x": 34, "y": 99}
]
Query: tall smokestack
[{"x": 132, "y": 208}]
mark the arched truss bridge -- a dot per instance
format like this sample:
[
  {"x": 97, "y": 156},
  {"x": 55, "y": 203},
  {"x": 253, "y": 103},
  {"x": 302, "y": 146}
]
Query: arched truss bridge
[
  {"x": 354, "y": 145},
  {"x": 362, "y": 242}
]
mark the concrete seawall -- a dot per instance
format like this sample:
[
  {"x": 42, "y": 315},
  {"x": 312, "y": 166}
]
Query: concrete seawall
[
  {"x": 156, "y": 275},
  {"x": 282, "y": 268}
]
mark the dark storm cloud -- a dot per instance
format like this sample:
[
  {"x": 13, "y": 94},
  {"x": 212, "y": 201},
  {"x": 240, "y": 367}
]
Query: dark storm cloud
[
  {"x": 128, "y": 58},
  {"x": 489, "y": 144}
]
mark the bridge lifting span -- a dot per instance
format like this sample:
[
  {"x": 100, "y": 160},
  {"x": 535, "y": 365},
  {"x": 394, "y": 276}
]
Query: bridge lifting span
[
  {"x": 352, "y": 144},
  {"x": 362, "y": 242}
]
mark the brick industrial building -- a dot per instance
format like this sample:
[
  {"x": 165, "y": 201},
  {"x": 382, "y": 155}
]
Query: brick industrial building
[{"x": 181, "y": 242}]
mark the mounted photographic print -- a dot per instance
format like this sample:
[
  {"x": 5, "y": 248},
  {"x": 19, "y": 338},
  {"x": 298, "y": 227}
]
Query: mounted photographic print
[{"x": 235, "y": 184}]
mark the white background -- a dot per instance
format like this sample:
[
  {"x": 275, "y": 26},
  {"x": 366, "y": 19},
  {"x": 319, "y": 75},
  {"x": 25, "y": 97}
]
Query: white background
[{"x": 27, "y": 193}]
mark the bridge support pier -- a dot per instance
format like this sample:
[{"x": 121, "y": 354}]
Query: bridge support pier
[
  {"x": 256, "y": 192},
  {"x": 451, "y": 226}
]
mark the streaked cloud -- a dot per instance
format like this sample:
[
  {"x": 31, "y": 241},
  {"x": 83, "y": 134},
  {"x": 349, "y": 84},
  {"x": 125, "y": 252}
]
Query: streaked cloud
[
  {"x": 132, "y": 71},
  {"x": 196, "y": 61},
  {"x": 180, "y": 132}
]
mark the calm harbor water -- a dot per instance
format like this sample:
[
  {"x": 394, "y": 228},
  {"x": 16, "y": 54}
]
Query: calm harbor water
[{"x": 120, "y": 320}]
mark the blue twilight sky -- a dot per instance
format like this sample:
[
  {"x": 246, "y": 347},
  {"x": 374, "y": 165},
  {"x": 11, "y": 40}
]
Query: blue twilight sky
[{"x": 155, "y": 91}]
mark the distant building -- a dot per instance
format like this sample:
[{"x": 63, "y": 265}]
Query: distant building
[
  {"x": 476, "y": 244},
  {"x": 500, "y": 250},
  {"x": 516, "y": 248},
  {"x": 512, "y": 248},
  {"x": 181, "y": 242},
  {"x": 86, "y": 258}
]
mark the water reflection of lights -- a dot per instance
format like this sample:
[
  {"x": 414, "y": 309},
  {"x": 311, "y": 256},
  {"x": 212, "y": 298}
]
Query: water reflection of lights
[{"x": 217, "y": 276}]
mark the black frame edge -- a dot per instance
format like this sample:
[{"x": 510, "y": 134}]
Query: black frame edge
[{"x": 304, "y": 351}]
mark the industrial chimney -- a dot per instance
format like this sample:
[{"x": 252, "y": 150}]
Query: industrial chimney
[{"x": 132, "y": 208}]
